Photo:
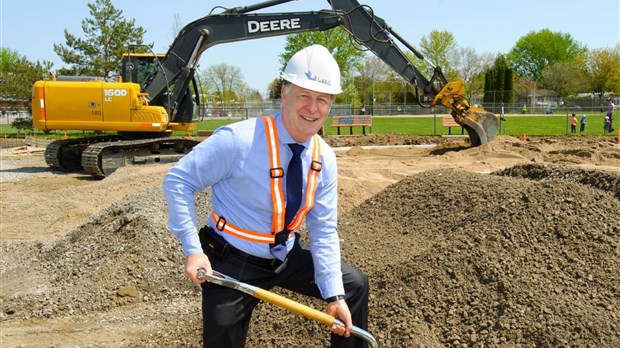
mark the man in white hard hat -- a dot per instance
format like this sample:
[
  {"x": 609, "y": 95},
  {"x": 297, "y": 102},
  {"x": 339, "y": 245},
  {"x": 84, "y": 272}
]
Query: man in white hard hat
[{"x": 257, "y": 206}]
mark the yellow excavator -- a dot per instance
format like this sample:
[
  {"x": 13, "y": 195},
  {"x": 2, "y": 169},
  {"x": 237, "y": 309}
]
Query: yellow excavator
[
  {"x": 158, "y": 94},
  {"x": 138, "y": 133}
]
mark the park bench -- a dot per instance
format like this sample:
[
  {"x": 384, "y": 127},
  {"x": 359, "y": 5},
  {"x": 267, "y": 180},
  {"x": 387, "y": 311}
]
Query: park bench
[
  {"x": 448, "y": 121},
  {"x": 205, "y": 133},
  {"x": 353, "y": 121}
]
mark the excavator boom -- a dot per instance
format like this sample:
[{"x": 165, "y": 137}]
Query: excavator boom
[
  {"x": 360, "y": 21},
  {"x": 165, "y": 100}
]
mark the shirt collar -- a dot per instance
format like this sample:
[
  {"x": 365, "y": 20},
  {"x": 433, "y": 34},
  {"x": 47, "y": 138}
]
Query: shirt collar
[{"x": 284, "y": 136}]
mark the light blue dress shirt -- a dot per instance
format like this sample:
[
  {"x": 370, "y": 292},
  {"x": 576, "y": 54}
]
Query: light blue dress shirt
[{"x": 234, "y": 162}]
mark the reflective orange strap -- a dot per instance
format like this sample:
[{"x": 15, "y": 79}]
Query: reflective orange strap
[
  {"x": 251, "y": 236},
  {"x": 313, "y": 179},
  {"x": 277, "y": 197},
  {"x": 276, "y": 173}
]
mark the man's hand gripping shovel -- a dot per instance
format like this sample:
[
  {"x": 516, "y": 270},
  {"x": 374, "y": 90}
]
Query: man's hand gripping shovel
[{"x": 283, "y": 302}]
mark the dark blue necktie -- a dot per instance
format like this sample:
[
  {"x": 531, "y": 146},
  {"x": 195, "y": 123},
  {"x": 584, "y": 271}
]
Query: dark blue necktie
[{"x": 294, "y": 182}]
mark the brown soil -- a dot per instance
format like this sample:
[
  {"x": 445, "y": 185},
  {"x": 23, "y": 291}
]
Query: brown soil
[{"x": 509, "y": 244}]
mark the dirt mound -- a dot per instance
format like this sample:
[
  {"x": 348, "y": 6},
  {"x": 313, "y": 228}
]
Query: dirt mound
[
  {"x": 527, "y": 257},
  {"x": 120, "y": 256},
  {"x": 384, "y": 139},
  {"x": 490, "y": 260},
  {"x": 606, "y": 181}
]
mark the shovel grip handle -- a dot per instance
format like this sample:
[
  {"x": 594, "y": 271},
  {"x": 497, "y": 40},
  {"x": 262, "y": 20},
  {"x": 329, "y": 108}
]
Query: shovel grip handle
[{"x": 295, "y": 307}]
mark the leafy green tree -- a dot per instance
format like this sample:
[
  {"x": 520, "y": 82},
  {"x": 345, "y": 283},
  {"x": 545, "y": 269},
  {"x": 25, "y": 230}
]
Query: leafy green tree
[
  {"x": 17, "y": 75},
  {"x": 498, "y": 85},
  {"x": 524, "y": 87},
  {"x": 509, "y": 94},
  {"x": 565, "y": 78},
  {"x": 337, "y": 41},
  {"x": 437, "y": 48},
  {"x": 107, "y": 35},
  {"x": 274, "y": 88},
  {"x": 371, "y": 71},
  {"x": 602, "y": 68},
  {"x": 224, "y": 80},
  {"x": 8, "y": 58},
  {"x": 536, "y": 50},
  {"x": 22, "y": 124},
  {"x": 247, "y": 94}
]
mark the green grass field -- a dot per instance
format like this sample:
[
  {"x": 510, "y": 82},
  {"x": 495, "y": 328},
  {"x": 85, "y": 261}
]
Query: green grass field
[
  {"x": 516, "y": 125},
  {"x": 512, "y": 125}
]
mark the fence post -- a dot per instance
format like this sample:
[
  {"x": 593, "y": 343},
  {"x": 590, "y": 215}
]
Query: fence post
[
  {"x": 501, "y": 117},
  {"x": 434, "y": 121}
]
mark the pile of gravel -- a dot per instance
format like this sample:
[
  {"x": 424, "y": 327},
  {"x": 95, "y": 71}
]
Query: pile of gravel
[
  {"x": 123, "y": 255},
  {"x": 454, "y": 259},
  {"x": 492, "y": 260},
  {"x": 606, "y": 181}
]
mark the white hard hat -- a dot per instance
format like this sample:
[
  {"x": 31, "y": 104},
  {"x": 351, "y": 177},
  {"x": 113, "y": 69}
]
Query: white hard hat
[{"x": 314, "y": 68}]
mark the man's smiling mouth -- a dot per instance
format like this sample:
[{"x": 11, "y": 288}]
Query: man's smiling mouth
[{"x": 309, "y": 119}]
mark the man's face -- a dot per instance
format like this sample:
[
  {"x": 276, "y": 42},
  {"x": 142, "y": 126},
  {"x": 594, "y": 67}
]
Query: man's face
[{"x": 304, "y": 111}]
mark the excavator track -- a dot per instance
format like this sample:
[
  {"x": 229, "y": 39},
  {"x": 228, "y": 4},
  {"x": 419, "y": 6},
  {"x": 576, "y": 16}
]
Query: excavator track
[
  {"x": 104, "y": 158},
  {"x": 66, "y": 154}
]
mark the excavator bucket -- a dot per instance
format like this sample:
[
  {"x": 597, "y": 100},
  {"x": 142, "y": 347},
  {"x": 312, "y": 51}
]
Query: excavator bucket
[{"x": 481, "y": 125}]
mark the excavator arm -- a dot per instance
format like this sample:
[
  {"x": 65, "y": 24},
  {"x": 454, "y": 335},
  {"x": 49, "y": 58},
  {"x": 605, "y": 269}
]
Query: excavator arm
[
  {"x": 237, "y": 24},
  {"x": 144, "y": 116}
]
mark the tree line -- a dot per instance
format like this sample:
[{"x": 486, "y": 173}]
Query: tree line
[{"x": 538, "y": 60}]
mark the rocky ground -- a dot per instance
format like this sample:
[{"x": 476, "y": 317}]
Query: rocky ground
[{"x": 514, "y": 243}]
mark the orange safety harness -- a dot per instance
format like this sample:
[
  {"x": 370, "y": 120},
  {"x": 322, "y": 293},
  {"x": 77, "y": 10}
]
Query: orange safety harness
[{"x": 279, "y": 232}]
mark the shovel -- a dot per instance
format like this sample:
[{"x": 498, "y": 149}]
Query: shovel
[{"x": 283, "y": 302}]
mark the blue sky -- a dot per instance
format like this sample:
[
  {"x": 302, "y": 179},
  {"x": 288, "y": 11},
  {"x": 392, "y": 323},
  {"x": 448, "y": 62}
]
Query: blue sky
[{"x": 488, "y": 26}]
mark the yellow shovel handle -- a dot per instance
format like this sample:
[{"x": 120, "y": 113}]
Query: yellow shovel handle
[
  {"x": 283, "y": 302},
  {"x": 293, "y": 306}
]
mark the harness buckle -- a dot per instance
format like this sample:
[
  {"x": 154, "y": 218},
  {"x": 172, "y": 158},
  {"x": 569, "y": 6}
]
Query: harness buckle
[
  {"x": 316, "y": 166},
  {"x": 277, "y": 172},
  {"x": 221, "y": 223}
]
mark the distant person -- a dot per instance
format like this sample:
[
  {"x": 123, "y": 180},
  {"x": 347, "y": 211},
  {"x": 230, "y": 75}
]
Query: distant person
[
  {"x": 607, "y": 124},
  {"x": 573, "y": 124},
  {"x": 363, "y": 110},
  {"x": 524, "y": 109},
  {"x": 582, "y": 123},
  {"x": 610, "y": 114}
]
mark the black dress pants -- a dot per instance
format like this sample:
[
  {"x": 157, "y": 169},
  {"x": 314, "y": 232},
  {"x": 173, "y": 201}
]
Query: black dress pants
[{"x": 227, "y": 312}]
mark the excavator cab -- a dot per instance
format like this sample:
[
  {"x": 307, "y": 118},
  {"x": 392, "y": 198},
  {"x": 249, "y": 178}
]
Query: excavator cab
[
  {"x": 141, "y": 67},
  {"x": 136, "y": 67}
]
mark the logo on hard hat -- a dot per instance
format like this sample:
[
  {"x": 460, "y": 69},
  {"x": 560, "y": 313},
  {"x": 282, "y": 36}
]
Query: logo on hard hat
[{"x": 313, "y": 77}]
